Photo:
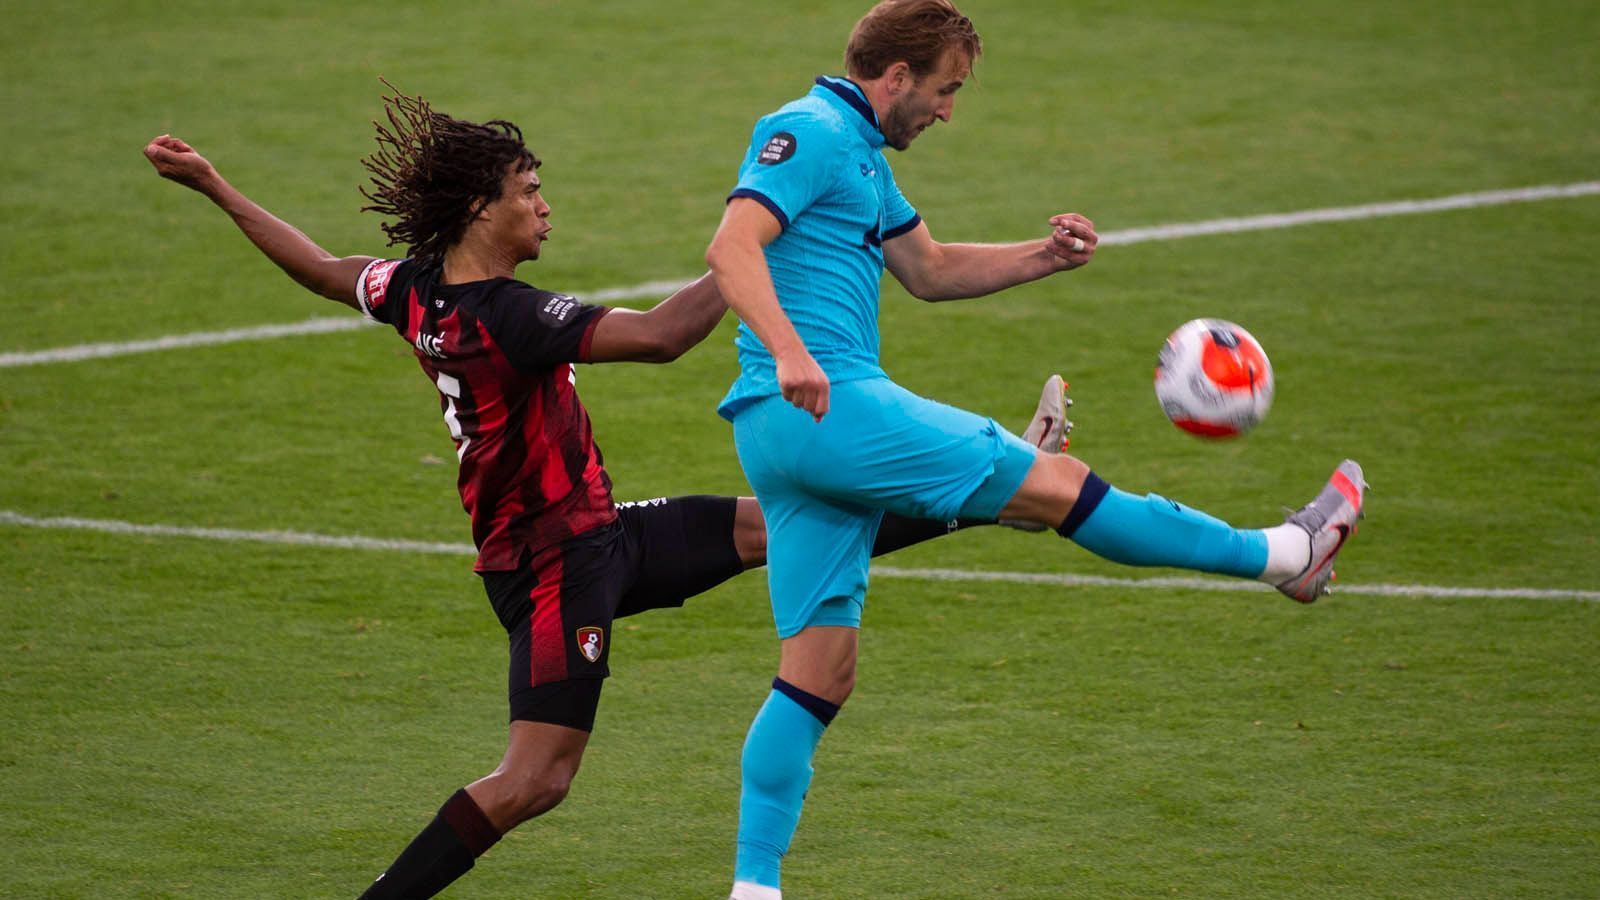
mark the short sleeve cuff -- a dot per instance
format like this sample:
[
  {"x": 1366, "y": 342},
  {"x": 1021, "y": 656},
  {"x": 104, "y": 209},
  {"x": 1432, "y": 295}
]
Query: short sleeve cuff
[
  {"x": 902, "y": 228},
  {"x": 373, "y": 284},
  {"x": 587, "y": 341},
  {"x": 764, "y": 200}
]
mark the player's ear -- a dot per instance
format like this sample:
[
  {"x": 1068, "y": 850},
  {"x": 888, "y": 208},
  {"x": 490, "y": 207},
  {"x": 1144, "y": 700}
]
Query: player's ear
[{"x": 899, "y": 77}]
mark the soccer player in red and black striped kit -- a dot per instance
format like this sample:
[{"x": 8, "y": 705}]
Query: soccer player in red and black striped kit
[{"x": 558, "y": 557}]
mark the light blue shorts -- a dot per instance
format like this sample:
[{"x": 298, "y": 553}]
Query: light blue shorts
[{"x": 824, "y": 486}]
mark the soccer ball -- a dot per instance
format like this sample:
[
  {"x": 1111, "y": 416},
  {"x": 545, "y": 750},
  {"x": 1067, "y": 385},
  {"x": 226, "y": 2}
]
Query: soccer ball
[{"x": 1213, "y": 379}]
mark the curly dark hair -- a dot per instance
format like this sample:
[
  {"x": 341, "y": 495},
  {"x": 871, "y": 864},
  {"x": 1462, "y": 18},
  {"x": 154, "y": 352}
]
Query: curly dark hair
[{"x": 433, "y": 174}]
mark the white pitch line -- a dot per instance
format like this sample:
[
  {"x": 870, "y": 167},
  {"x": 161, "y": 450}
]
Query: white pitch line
[
  {"x": 1230, "y": 585},
  {"x": 323, "y": 325},
  {"x": 355, "y": 542},
  {"x": 1350, "y": 213},
  {"x": 233, "y": 535},
  {"x": 178, "y": 341},
  {"x": 662, "y": 288}
]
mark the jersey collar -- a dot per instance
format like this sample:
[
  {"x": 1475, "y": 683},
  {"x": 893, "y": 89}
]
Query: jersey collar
[{"x": 842, "y": 92}]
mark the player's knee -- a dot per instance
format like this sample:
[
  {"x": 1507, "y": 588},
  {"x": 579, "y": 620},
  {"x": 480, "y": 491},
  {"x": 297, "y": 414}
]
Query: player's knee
[
  {"x": 841, "y": 684},
  {"x": 538, "y": 795},
  {"x": 1056, "y": 480},
  {"x": 550, "y": 791},
  {"x": 1049, "y": 491},
  {"x": 834, "y": 681},
  {"x": 516, "y": 798},
  {"x": 846, "y": 687},
  {"x": 1067, "y": 475}
]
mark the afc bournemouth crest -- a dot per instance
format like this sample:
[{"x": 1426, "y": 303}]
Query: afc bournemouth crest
[{"x": 589, "y": 641}]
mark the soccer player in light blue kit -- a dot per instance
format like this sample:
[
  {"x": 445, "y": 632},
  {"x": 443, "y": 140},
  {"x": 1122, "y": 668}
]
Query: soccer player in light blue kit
[{"x": 829, "y": 442}]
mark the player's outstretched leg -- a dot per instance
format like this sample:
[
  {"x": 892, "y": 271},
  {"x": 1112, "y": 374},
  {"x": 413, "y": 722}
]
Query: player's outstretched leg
[
  {"x": 1047, "y": 430},
  {"x": 1296, "y": 556}
]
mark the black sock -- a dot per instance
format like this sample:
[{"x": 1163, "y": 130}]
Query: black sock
[
  {"x": 896, "y": 531},
  {"x": 443, "y": 852}
]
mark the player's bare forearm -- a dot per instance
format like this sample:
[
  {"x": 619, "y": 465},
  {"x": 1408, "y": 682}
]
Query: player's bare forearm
[
  {"x": 933, "y": 271},
  {"x": 664, "y": 332},
  {"x": 977, "y": 270},
  {"x": 739, "y": 264},
  {"x": 297, "y": 255},
  {"x": 690, "y": 315},
  {"x": 745, "y": 283}
]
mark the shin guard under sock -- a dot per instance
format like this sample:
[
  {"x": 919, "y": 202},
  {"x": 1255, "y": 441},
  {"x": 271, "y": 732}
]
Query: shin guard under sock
[
  {"x": 775, "y": 772},
  {"x": 1155, "y": 531}
]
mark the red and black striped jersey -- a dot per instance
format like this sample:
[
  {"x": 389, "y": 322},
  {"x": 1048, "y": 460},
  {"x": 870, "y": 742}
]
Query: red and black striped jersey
[{"x": 501, "y": 353}]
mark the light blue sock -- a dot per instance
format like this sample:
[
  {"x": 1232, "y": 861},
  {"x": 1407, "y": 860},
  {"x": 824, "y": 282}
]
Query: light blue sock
[
  {"x": 776, "y": 770},
  {"x": 1155, "y": 531}
]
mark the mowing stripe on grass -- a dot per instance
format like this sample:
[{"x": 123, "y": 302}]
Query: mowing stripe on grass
[
  {"x": 356, "y": 542},
  {"x": 662, "y": 288}
]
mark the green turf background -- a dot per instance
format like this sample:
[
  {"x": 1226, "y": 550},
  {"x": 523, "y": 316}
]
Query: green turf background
[{"x": 185, "y": 718}]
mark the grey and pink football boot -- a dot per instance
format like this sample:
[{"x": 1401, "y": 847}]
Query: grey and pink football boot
[{"x": 1330, "y": 520}]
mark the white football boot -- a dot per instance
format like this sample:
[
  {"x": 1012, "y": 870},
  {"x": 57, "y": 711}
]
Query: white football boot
[
  {"x": 1330, "y": 520},
  {"x": 1048, "y": 431}
]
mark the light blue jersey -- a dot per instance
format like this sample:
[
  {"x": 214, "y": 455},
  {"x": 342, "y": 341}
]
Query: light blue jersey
[
  {"x": 825, "y": 484},
  {"x": 817, "y": 165}
]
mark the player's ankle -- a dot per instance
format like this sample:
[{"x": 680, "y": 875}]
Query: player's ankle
[{"x": 1288, "y": 552}]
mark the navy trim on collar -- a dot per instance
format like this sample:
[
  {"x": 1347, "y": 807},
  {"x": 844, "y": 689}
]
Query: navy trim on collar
[{"x": 857, "y": 101}]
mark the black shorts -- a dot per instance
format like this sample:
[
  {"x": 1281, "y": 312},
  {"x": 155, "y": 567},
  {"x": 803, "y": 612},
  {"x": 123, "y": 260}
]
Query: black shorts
[{"x": 558, "y": 607}]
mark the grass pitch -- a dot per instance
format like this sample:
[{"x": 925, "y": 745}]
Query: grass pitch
[{"x": 191, "y": 718}]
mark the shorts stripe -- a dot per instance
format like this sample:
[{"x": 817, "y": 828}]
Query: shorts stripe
[{"x": 547, "y": 649}]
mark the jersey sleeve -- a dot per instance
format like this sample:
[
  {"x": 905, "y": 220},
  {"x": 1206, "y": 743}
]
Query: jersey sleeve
[
  {"x": 791, "y": 162},
  {"x": 538, "y": 329},
  {"x": 373, "y": 288},
  {"x": 899, "y": 216}
]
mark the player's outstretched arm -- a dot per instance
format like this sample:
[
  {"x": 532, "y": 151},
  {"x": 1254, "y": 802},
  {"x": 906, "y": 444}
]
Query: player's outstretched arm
[
  {"x": 933, "y": 271},
  {"x": 313, "y": 267},
  {"x": 737, "y": 260},
  {"x": 665, "y": 331}
]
